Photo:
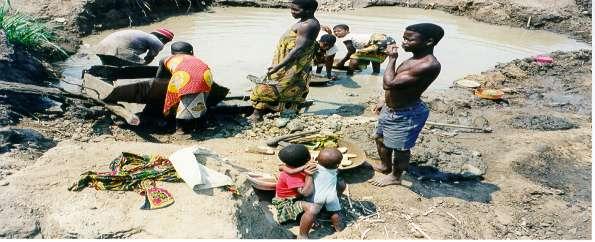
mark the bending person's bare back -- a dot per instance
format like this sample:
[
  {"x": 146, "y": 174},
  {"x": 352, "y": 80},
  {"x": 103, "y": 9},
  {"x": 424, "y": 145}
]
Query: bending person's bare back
[{"x": 402, "y": 113}]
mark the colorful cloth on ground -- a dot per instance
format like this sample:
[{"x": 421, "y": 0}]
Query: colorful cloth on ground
[
  {"x": 287, "y": 184},
  {"x": 292, "y": 81},
  {"x": 189, "y": 75},
  {"x": 131, "y": 172},
  {"x": 375, "y": 50},
  {"x": 288, "y": 209}
]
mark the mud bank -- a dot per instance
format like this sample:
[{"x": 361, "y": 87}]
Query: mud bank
[{"x": 70, "y": 20}]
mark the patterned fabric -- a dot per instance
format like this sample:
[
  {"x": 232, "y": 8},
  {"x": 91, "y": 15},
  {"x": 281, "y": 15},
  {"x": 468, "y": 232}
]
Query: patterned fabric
[
  {"x": 130, "y": 172},
  {"x": 192, "y": 106},
  {"x": 288, "y": 209},
  {"x": 375, "y": 50},
  {"x": 291, "y": 86},
  {"x": 189, "y": 76}
]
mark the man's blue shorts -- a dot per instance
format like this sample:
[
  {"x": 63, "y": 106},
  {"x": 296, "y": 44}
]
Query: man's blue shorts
[{"x": 400, "y": 128}]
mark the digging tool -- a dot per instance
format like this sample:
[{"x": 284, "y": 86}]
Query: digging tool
[
  {"x": 275, "y": 141},
  {"x": 485, "y": 130}
]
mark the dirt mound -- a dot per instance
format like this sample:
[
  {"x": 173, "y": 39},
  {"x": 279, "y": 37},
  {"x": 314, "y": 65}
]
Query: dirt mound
[
  {"x": 541, "y": 122},
  {"x": 564, "y": 85},
  {"x": 22, "y": 139},
  {"x": 18, "y": 65},
  {"x": 553, "y": 168}
]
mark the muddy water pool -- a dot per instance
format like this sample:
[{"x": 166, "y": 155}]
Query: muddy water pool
[{"x": 238, "y": 41}]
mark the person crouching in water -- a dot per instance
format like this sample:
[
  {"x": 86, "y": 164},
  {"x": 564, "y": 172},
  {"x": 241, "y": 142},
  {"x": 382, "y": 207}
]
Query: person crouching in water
[
  {"x": 291, "y": 189},
  {"x": 188, "y": 86},
  {"x": 327, "y": 186},
  {"x": 325, "y": 55},
  {"x": 125, "y": 47},
  {"x": 362, "y": 49}
]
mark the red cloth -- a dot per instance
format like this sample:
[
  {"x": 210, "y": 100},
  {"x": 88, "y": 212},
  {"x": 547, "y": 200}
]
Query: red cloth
[
  {"x": 189, "y": 76},
  {"x": 165, "y": 33},
  {"x": 288, "y": 184}
]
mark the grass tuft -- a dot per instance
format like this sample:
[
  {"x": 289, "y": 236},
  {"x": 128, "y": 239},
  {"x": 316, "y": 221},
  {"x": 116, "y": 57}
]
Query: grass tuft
[{"x": 23, "y": 30}]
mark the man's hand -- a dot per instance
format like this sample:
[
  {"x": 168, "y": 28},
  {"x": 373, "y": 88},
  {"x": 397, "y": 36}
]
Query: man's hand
[
  {"x": 272, "y": 69},
  {"x": 391, "y": 51},
  {"x": 377, "y": 109},
  {"x": 378, "y": 106},
  {"x": 327, "y": 29},
  {"x": 331, "y": 76}
]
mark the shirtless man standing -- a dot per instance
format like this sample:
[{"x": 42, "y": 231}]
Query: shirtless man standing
[{"x": 402, "y": 113}]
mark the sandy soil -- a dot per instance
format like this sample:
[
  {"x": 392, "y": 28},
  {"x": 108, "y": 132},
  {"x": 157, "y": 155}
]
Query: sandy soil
[
  {"x": 534, "y": 179},
  {"x": 536, "y": 183}
]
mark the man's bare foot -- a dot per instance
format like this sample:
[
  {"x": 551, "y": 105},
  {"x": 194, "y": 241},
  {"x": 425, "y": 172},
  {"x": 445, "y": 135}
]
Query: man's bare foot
[
  {"x": 338, "y": 227},
  {"x": 380, "y": 167},
  {"x": 386, "y": 181},
  {"x": 302, "y": 236}
]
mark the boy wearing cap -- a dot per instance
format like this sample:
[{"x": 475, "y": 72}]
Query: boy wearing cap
[{"x": 123, "y": 48}]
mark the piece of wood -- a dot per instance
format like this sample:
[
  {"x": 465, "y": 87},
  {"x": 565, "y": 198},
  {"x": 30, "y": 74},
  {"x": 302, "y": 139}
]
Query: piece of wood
[
  {"x": 38, "y": 90},
  {"x": 275, "y": 141},
  {"x": 118, "y": 110},
  {"x": 420, "y": 230},
  {"x": 485, "y": 130},
  {"x": 455, "y": 218},
  {"x": 260, "y": 150},
  {"x": 365, "y": 233},
  {"x": 348, "y": 194}
]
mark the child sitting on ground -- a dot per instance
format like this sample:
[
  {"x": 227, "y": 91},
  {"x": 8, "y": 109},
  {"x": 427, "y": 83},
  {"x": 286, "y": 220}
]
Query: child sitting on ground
[
  {"x": 327, "y": 186},
  {"x": 292, "y": 188}
]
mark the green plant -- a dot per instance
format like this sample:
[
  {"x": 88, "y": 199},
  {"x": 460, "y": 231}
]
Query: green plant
[{"x": 23, "y": 30}]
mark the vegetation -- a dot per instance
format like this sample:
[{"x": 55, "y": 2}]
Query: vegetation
[{"x": 23, "y": 30}]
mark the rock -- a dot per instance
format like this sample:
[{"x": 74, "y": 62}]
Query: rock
[
  {"x": 60, "y": 20},
  {"x": 281, "y": 122},
  {"x": 476, "y": 153},
  {"x": 55, "y": 109},
  {"x": 335, "y": 126},
  {"x": 471, "y": 171},
  {"x": 295, "y": 126},
  {"x": 4, "y": 183}
]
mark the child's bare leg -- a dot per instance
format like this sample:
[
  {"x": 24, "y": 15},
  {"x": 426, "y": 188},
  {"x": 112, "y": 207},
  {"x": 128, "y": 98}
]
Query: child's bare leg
[
  {"x": 318, "y": 69},
  {"x": 353, "y": 65},
  {"x": 341, "y": 186},
  {"x": 310, "y": 212},
  {"x": 337, "y": 222}
]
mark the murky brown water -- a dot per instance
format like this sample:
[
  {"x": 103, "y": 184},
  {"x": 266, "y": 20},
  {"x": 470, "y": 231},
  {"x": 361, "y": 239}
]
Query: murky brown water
[{"x": 236, "y": 42}]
